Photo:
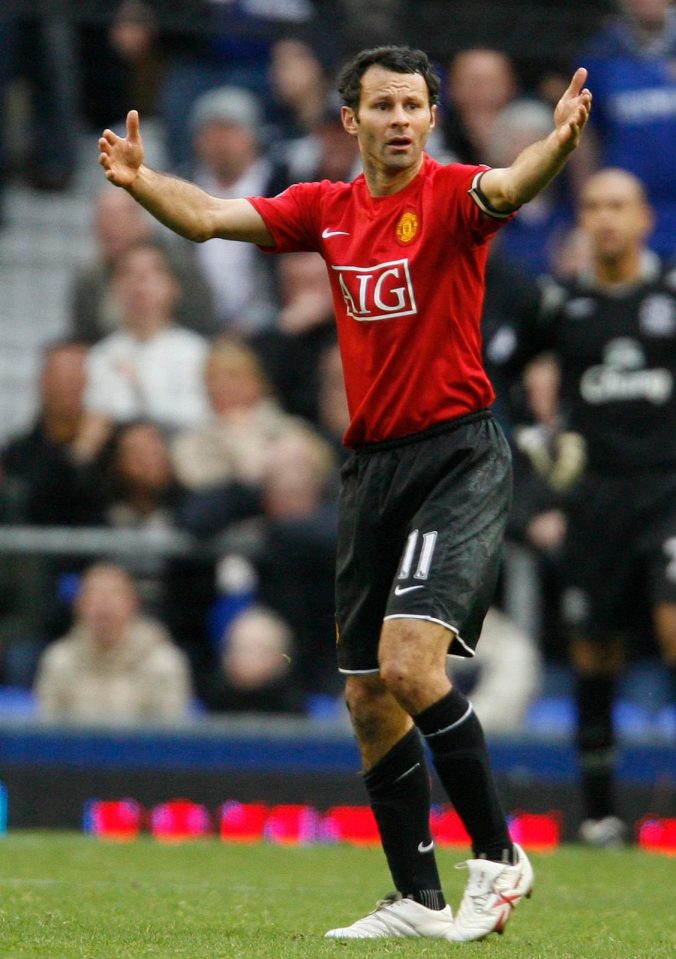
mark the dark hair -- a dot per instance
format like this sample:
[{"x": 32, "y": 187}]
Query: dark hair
[
  {"x": 150, "y": 243},
  {"x": 396, "y": 59}
]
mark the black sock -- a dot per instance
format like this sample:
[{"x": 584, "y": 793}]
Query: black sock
[
  {"x": 595, "y": 742},
  {"x": 399, "y": 791},
  {"x": 454, "y": 734}
]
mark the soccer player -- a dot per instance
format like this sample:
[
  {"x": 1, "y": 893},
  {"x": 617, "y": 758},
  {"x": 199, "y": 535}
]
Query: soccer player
[
  {"x": 426, "y": 494},
  {"x": 613, "y": 329}
]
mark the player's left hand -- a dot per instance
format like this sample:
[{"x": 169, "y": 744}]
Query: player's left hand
[{"x": 572, "y": 111}]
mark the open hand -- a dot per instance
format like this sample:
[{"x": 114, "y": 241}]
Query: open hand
[
  {"x": 121, "y": 157},
  {"x": 572, "y": 111}
]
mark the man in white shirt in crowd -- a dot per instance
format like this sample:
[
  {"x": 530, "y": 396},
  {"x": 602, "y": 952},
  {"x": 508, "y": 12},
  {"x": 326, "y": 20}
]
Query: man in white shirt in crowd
[{"x": 151, "y": 368}]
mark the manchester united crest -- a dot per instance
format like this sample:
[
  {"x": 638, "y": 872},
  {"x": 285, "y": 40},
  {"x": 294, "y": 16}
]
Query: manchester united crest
[{"x": 407, "y": 227}]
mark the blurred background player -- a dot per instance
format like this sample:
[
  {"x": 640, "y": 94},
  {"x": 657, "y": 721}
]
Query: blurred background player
[{"x": 613, "y": 330}]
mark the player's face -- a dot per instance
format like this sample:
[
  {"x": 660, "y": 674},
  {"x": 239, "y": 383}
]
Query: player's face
[
  {"x": 393, "y": 121},
  {"x": 614, "y": 215}
]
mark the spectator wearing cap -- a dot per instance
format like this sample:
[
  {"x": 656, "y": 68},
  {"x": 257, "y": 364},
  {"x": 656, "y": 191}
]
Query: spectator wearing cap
[{"x": 227, "y": 128}]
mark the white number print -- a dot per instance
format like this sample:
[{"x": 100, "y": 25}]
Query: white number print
[
  {"x": 424, "y": 556},
  {"x": 669, "y": 547}
]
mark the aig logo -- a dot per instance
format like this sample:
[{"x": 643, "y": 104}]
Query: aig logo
[{"x": 377, "y": 292}]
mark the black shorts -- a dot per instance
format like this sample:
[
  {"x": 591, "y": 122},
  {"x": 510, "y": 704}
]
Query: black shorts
[
  {"x": 420, "y": 529},
  {"x": 620, "y": 551}
]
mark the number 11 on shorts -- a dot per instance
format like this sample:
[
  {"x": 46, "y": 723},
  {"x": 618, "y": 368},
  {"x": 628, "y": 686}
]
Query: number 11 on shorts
[{"x": 428, "y": 542}]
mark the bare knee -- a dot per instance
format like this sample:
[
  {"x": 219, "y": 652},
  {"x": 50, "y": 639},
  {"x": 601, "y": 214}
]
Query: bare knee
[
  {"x": 369, "y": 704},
  {"x": 379, "y": 721},
  {"x": 413, "y": 662}
]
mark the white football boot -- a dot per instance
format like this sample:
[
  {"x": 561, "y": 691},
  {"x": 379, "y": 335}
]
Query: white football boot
[
  {"x": 397, "y": 917},
  {"x": 493, "y": 891}
]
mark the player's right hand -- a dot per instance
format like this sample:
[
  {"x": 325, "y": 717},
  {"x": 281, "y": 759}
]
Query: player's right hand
[{"x": 121, "y": 157}]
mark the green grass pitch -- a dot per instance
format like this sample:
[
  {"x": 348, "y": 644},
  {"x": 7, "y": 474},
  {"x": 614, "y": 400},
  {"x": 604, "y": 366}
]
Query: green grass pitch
[{"x": 64, "y": 896}]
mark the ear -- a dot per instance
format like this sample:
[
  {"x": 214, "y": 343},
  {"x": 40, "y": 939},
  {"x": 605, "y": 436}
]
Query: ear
[
  {"x": 649, "y": 219},
  {"x": 433, "y": 114},
  {"x": 349, "y": 120}
]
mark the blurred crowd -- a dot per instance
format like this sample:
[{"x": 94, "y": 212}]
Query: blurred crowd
[{"x": 199, "y": 388}]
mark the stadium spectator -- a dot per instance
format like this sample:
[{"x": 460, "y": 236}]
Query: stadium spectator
[
  {"x": 118, "y": 225},
  {"x": 304, "y": 327},
  {"x": 479, "y": 84},
  {"x": 333, "y": 413},
  {"x": 221, "y": 463},
  {"x": 150, "y": 368},
  {"x": 40, "y": 48},
  {"x": 55, "y": 491},
  {"x": 324, "y": 153},
  {"x": 299, "y": 87},
  {"x": 142, "y": 488},
  {"x": 25, "y": 598},
  {"x": 361, "y": 24},
  {"x": 297, "y": 546},
  {"x": 140, "y": 491},
  {"x": 548, "y": 460},
  {"x": 115, "y": 665},
  {"x": 254, "y": 667},
  {"x": 532, "y": 239},
  {"x": 613, "y": 329},
  {"x": 244, "y": 418},
  {"x": 285, "y": 528},
  {"x": 229, "y": 161},
  {"x": 510, "y": 310},
  {"x": 123, "y": 59},
  {"x": 631, "y": 60},
  {"x": 50, "y": 489},
  {"x": 223, "y": 43},
  {"x": 336, "y": 158}
]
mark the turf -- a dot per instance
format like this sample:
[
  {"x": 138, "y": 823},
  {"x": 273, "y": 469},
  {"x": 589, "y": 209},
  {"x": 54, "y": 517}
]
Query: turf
[{"x": 64, "y": 896}]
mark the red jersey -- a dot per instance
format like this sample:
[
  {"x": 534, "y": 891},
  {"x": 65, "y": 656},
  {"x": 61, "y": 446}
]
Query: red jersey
[{"x": 407, "y": 274}]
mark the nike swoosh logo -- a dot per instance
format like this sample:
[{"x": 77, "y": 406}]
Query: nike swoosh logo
[
  {"x": 400, "y": 590},
  {"x": 426, "y": 848},
  {"x": 327, "y": 233}
]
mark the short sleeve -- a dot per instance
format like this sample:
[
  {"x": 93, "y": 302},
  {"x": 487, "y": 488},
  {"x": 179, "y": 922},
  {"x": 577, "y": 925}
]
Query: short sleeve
[
  {"x": 467, "y": 209},
  {"x": 292, "y": 218}
]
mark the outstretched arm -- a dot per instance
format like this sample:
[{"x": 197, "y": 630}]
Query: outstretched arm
[
  {"x": 182, "y": 206},
  {"x": 508, "y": 188}
]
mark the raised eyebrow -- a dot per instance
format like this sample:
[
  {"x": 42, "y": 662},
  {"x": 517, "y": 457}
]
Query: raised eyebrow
[{"x": 389, "y": 98}]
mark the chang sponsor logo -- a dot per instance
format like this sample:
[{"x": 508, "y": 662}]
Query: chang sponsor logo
[
  {"x": 623, "y": 376},
  {"x": 377, "y": 292}
]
